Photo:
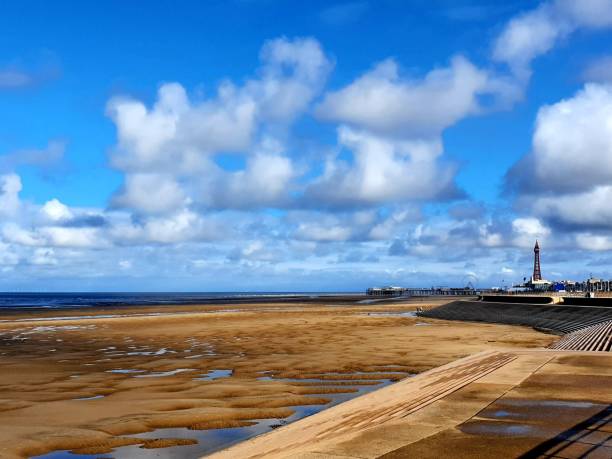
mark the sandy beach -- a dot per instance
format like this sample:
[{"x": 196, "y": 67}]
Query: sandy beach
[{"x": 88, "y": 380}]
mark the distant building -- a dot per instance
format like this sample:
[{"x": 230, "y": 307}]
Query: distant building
[
  {"x": 537, "y": 273},
  {"x": 536, "y": 282},
  {"x": 591, "y": 285},
  {"x": 597, "y": 285},
  {"x": 539, "y": 285}
]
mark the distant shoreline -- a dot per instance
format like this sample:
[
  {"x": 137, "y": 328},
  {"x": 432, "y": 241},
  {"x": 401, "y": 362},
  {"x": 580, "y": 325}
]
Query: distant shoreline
[{"x": 43, "y": 302}]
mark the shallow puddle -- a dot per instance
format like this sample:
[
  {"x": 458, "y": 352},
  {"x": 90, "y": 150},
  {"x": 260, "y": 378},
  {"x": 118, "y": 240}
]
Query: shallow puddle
[
  {"x": 362, "y": 373},
  {"x": 159, "y": 374},
  {"x": 68, "y": 455},
  {"x": 94, "y": 397},
  {"x": 124, "y": 371},
  {"x": 215, "y": 374},
  {"x": 507, "y": 417},
  {"x": 505, "y": 429},
  {"x": 546, "y": 403},
  {"x": 504, "y": 414},
  {"x": 392, "y": 314},
  {"x": 143, "y": 351}
]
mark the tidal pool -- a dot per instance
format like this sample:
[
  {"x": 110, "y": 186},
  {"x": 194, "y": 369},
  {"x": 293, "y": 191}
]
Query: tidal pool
[
  {"x": 504, "y": 429},
  {"x": 392, "y": 314},
  {"x": 93, "y": 397},
  {"x": 215, "y": 374},
  {"x": 213, "y": 440}
]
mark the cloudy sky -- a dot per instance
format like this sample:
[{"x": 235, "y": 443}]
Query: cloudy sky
[{"x": 303, "y": 146}]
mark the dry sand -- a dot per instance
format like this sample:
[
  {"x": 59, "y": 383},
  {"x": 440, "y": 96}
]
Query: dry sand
[{"x": 46, "y": 365}]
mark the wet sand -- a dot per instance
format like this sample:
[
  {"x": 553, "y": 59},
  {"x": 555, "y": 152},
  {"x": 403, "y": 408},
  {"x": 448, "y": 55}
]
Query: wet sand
[{"x": 86, "y": 383}]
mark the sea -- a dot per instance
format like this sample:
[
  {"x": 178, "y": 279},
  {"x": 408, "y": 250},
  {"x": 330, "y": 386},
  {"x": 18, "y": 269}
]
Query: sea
[{"x": 68, "y": 300}]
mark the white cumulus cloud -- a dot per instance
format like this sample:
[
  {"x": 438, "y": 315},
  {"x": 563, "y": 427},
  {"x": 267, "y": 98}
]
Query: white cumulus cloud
[
  {"x": 392, "y": 126},
  {"x": 10, "y": 186},
  {"x": 56, "y": 211},
  {"x": 152, "y": 193},
  {"x": 527, "y": 230},
  {"x": 573, "y": 136},
  {"x": 383, "y": 170},
  {"x": 535, "y": 32},
  {"x": 567, "y": 177},
  {"x": 59, "y": 236},
  {"x": 169, "y": 151},
  {"x": 312, "y": 231},
  {"x": 43, "y": 256},
  {"x": 386, "y": 103},
  {"x": 596, "y": 242}
]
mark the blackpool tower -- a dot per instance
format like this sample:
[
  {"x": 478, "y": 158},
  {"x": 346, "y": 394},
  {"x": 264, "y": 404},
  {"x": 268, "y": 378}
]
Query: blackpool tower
[{"x": 537, "y": 274}]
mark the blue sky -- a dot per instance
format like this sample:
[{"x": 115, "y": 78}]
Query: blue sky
[{"x": 275, "y": 145}]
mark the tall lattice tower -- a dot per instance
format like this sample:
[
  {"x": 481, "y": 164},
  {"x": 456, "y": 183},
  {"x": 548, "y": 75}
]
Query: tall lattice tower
[{"x": 537, "y": 274}]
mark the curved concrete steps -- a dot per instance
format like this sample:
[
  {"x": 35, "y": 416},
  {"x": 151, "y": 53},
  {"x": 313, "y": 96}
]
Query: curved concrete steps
[
  {"x": 594, "y": 338},
  {"x": 556, "y": 318}
]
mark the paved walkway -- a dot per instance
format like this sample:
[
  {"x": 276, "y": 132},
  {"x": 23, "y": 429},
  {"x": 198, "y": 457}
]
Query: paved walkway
[{"x": 532, "y": 403}]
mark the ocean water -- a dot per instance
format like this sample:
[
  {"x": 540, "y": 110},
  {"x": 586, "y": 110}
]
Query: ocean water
[{"x": 79, "y": 300}]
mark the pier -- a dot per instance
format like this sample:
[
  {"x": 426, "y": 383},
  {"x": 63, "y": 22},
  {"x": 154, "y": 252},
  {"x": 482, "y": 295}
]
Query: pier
[{"x": 433, "y": 291}]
